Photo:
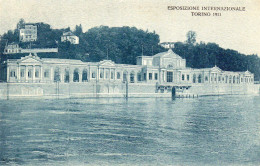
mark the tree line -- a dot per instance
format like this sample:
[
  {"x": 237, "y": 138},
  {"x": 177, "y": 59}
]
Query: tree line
[{"x": 124, "y": 44}]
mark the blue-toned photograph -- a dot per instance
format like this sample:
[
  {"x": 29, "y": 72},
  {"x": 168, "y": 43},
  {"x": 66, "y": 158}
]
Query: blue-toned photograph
[{"x": 86, "y": 82}]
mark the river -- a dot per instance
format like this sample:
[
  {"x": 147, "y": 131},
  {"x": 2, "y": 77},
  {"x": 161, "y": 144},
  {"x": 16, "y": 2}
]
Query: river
[{"x": 214, "y": 130}]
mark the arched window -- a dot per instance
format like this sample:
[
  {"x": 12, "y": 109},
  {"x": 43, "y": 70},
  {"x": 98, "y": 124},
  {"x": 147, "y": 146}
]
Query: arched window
[
  {"x": 93, "y": 74},
  {"x": 125, "y": 76},
  {"x": 226, "y": 81},
  {"x": 112, "y": 75},
  {"x": 238, "y": 79},
  {"x": 67, "y": 75},
  {"x": 85, "y": 75},
  {"x": 139, "y": 77},
  {"x": 107, "y": 74},
  {"x": 101, "y": 74},
  {"x": 230, "y": 79},
  {"x": 57, "y": 74},
  {"x": 199, "y": 78},
  {"x": 194, "y": 78},
  {"x": 118, "y": 75},
  {"x": 234, "y": 79},
  {"x": 37, "y": 73},
  {"x": 206, "y": 78},
  {"x": 76, "y": 75},
  {"x": 132, "y": 77}
]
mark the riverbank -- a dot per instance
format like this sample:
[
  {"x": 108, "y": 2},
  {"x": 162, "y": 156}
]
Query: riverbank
[{"x": 94, "y": 90}]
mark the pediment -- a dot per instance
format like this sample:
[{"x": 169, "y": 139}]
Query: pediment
[
  {"x": 216, "y": 69},
  {"x": 107, "y": 63},
  {"x": 171, "y": 54},
  {"x": 30, "y": 59},
  {"x": 248, "y": 72}
]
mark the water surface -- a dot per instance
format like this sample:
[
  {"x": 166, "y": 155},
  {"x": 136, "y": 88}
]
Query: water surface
[{"x": 221, "y": 130}]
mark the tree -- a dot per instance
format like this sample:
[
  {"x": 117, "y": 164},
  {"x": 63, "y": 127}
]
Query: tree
[
  {"x": 78, "y": 30},
  {"x": 191, "y": 37},
  {"x": 20, "y": 24}
]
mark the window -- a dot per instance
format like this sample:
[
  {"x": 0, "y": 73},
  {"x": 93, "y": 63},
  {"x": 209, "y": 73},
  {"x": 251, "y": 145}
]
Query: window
[
  {"x": 124, "y": 77},
  {"x": 29, "y": 73},
  {"x": 194, "y": 78},
  {"x": 118, "y": 75},
  {"x": 139, "y": 77},
  {"x": 67, "y": 75},
  {"x": 188, "y": 77},
  {"x": 46, "y": 73},
  {"x": 132, "y": 78},
  {"x": 169, "y": 76},
  {"x": 156, "y": 76},
  {"x": 144, "y": 76},
  {"x": 101, "y": 74},
  {"x": 170, "y": 66},
  {"x": 182, "y": 76},
  {"x": 199, "y": 79},
  {"x": 150, "y": 76},
  {"x": 93, "y": 74},
  {"x": 22, "y": 72},
  {"x": 206, "y": 78},
  {"x": 112, "y": 75},
  {"x": 12, "y": 73},
  {"x": 226, "y": 81},
  {"x": 219, "y": 78},
  {"x": 107, "y": 74},
  {"x": 37, "y": 73},
  {"x": 85, "y": 75}
]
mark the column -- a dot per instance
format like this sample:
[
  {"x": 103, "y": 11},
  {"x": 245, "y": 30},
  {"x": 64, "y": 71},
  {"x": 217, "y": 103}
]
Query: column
[
  {"x": 52, "y": 75},
  {"x": 109, "y": 76},
  {"x": 26, "y": 73},
  {"x": 33, "y": 74},
  {"x": 80, "y": 76},
  {"x": 18, "y": 73},
  {"x": 147, "y": 76},
  {"x": 41, "y": 75},
  {"x": 71, "y": 75},
  {"x": 62, "y": 75},
  {"x": 7, "y": 77}
]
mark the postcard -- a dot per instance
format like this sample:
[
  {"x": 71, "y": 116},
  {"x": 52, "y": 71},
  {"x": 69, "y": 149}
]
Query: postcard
[{"x": 129, "y": 82}]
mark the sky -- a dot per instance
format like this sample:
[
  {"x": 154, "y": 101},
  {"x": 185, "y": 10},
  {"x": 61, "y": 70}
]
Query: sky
[{"x": 234, "y": 30}]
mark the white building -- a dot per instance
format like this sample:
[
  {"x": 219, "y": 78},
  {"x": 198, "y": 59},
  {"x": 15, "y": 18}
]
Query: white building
[
  {"x": 167, "y": 45},
  {"x": 12, "y": 48},
  {"x": 69, "y": 36},
  {"x": 163, "y": 69},
  {"x": 28, "y": 33}
]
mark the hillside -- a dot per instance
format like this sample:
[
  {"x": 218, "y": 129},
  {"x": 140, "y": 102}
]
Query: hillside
[{"x": 124, "y": 44}]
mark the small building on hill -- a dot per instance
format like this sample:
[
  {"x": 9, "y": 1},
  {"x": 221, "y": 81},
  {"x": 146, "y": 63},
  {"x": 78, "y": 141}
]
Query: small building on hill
[
  {"x": 70, "y": 37},
  {"x": 12, "y": 48},
  {"x": 28, "y": 33},
  {"x": 167, "y": 45}
]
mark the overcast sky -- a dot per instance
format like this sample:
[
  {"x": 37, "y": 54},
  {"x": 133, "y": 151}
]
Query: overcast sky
[{"x": 235, "y": 30}]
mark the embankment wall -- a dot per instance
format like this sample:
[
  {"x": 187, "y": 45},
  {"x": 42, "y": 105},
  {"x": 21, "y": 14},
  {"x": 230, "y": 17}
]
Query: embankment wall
[{"x": 90, "y": 89}]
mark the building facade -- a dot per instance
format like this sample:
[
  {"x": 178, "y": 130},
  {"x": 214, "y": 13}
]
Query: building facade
[
  {"x": 12, "y": 48},
  {"x": 28, "y": 33},
  {"x": 166, "y": 68},
  {"x": 70, "y": 37}
]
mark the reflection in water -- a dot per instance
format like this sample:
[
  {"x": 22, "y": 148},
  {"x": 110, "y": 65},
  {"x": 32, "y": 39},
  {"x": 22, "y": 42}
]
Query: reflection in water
[{"x": 210, "y": 130}]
